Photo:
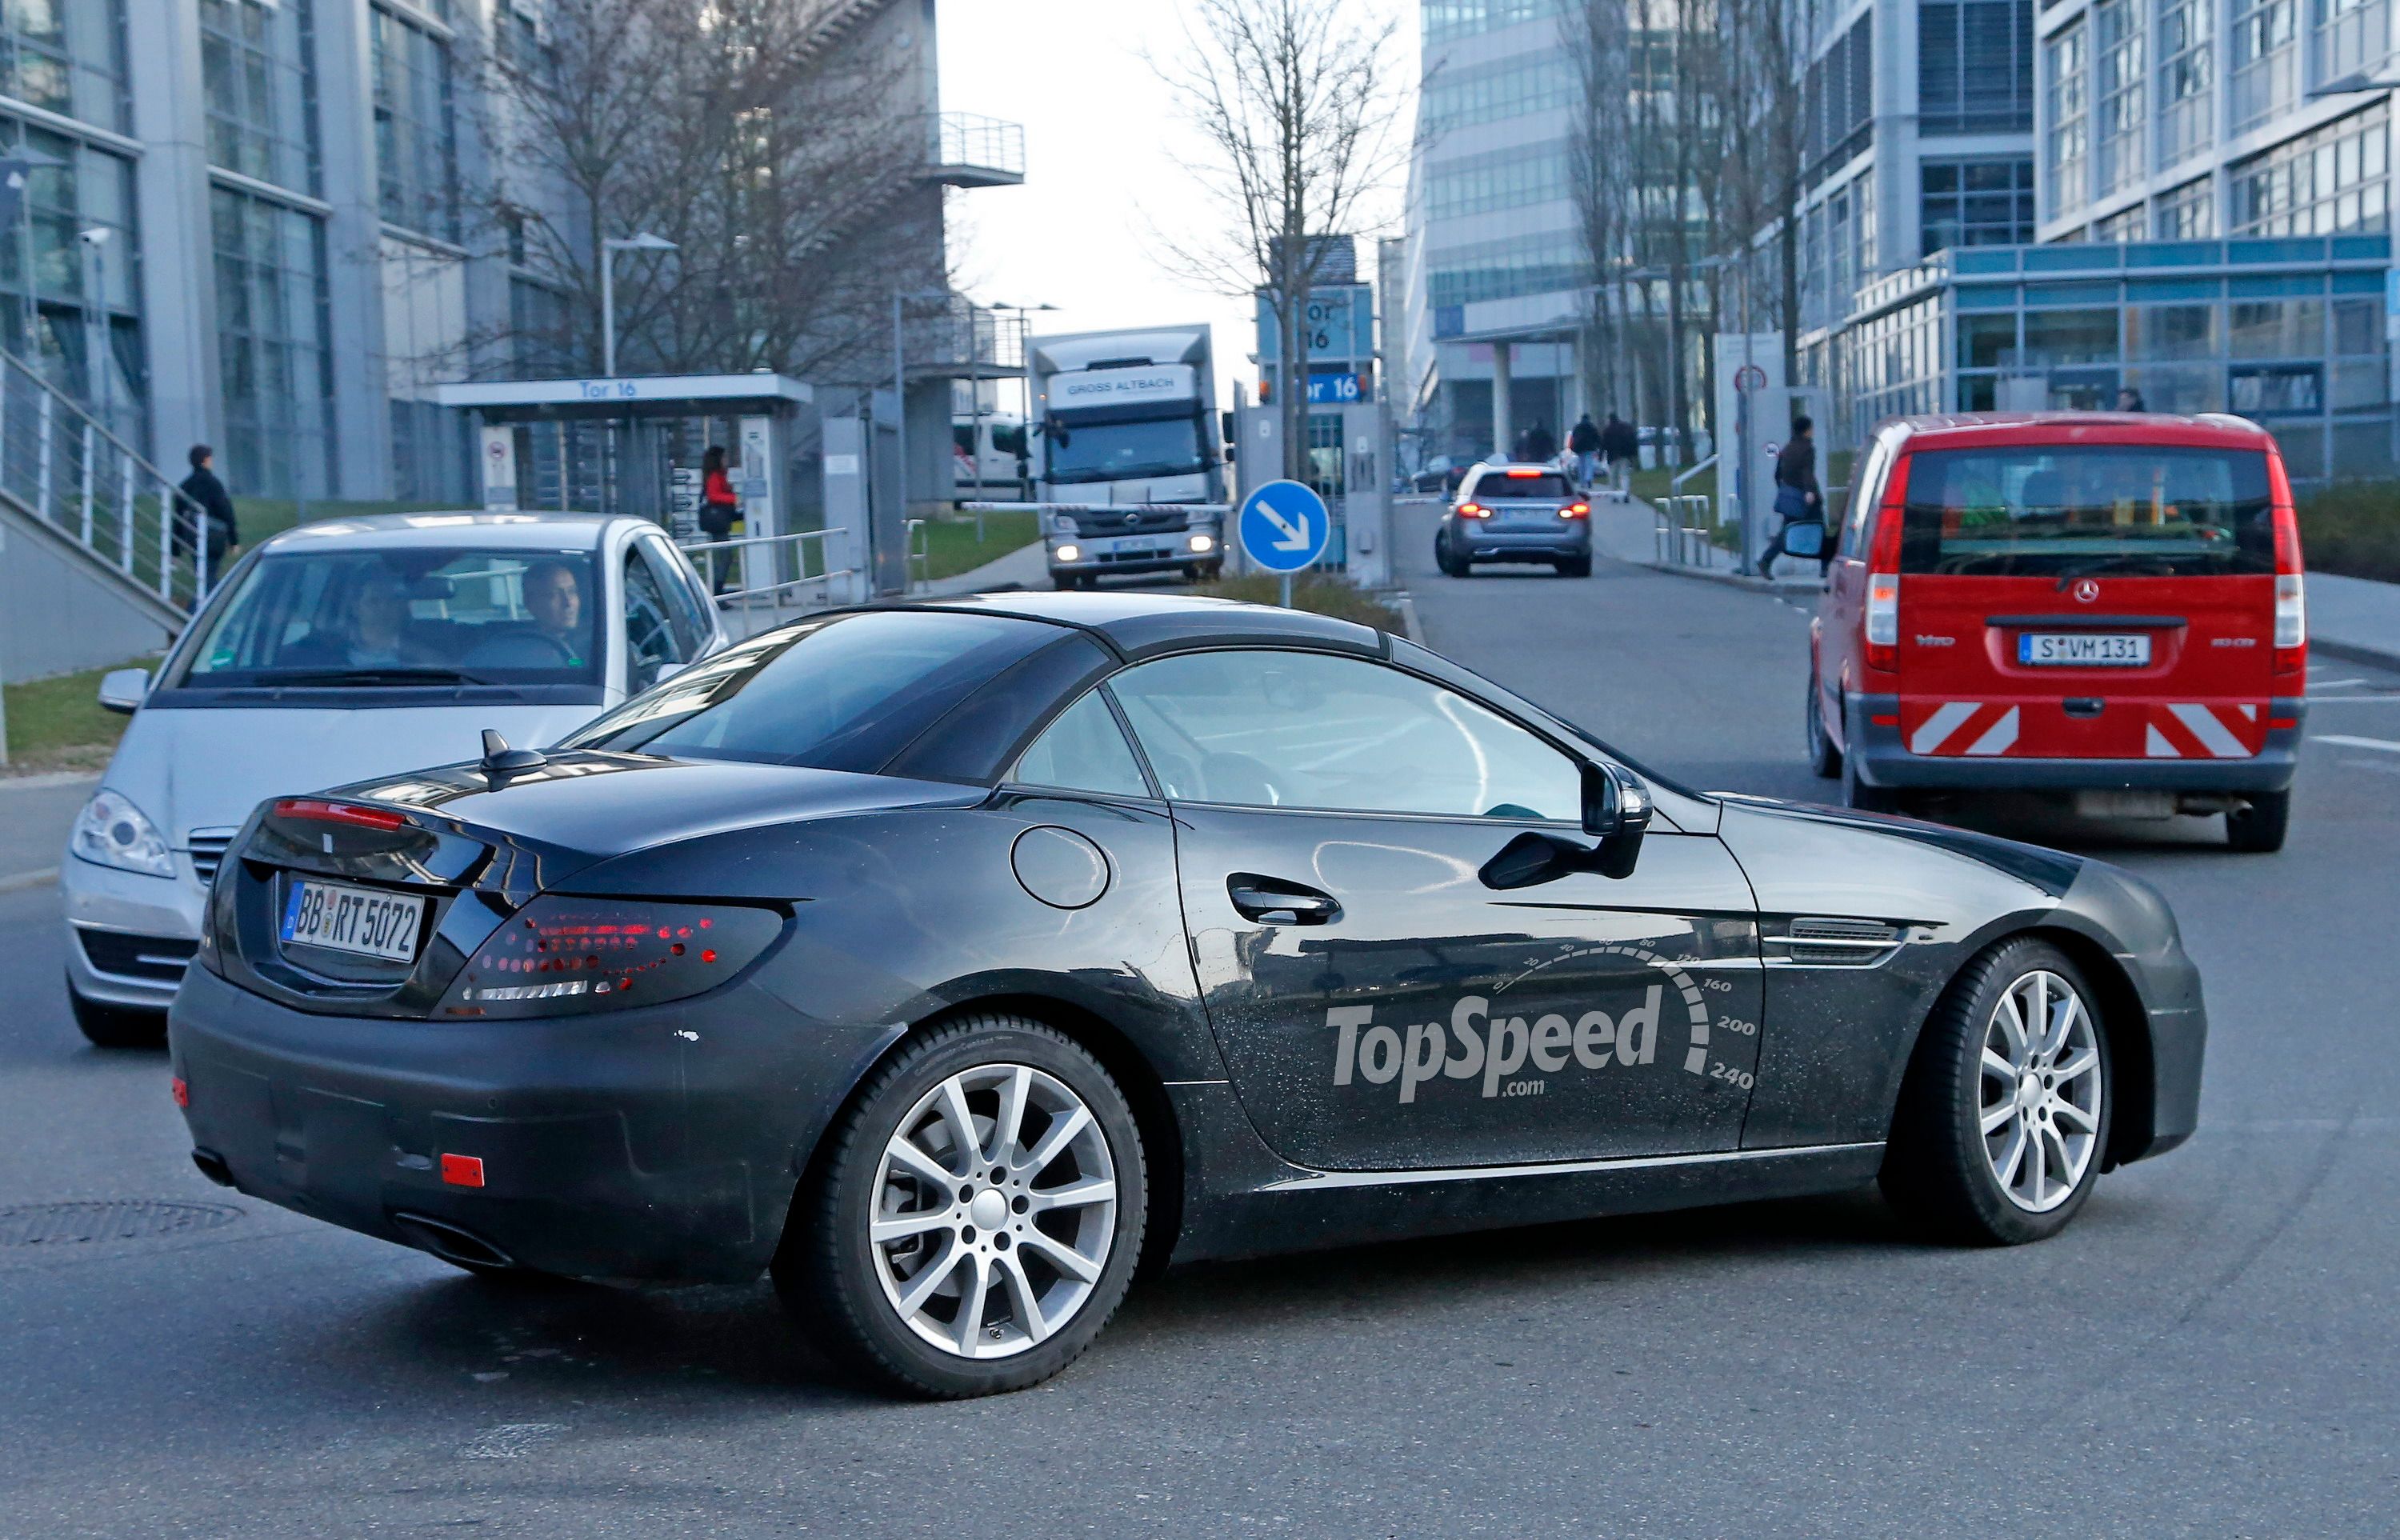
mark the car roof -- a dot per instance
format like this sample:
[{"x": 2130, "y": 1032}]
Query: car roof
[
  {"x": 1137, "y": 625},
  {"x": 536, "y": 531},
  {"x": 2207, "y": 430}
]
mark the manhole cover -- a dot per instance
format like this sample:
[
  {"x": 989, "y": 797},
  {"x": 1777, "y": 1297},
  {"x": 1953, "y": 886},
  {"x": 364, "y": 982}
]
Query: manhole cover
[{"x": 123, "y": 1220}]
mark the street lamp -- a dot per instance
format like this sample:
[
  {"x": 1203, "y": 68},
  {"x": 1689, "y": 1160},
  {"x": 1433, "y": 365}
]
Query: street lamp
[{"x": 609, "y": 247}]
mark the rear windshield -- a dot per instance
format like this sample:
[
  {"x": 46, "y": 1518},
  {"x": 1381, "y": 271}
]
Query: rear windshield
[
  {"x": 395, "y": 617},
  {"x": 1547, "y": 486},
  {"x": 2066, "y": 509},
  {"x": 847, "y": 692}
]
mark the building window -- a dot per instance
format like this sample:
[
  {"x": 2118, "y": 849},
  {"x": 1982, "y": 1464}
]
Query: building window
[
  {"x": 1445, "y": 19},
  {"x": 1977, "y": 203},
  {"x": 2350, "y": 36},
  {"x": 2266, "y": 64},
  {"x": 540, "y": 342},
  {"x": 2124, "y": 79},
  {"x": 1507, "y": 180},
  {"x": 68, "y": 57},
  {"x": 1974, "y": 66},
  {"x": 93, "y": 351},
  {"x": 1839, "y": 92},
  {"x": 274, "y": 375},
  {"x": 2187, "y": 214},
  {"x": 1503, "y": 269},
  {"x": 2124, "y": 224},
  {"x": 2071, "y": 125},
  {"x": 416, "y": 150},
  {"x": 258, "y": 71},
  {"x": 1519, "y": 86},
  {"x": 2186, "y": 77},
  {"x": 2323, "y": 183}
]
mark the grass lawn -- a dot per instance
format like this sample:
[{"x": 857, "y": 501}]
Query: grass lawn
[
  {"x": 57, "y": 724},
  {"x": 954, "y": 549},
  {"x": 260, "y": 517},
  {"x": 1319, "y": 595}
]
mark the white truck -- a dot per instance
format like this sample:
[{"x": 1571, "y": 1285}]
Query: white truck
[{"x": 1128, "y": 420}]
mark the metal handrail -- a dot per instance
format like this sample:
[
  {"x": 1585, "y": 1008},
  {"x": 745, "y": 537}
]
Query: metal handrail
[
  {"x": 921, "y": 553},
  {"x": 1675, "y": 484},
  {"x": 704, "y": 555}
]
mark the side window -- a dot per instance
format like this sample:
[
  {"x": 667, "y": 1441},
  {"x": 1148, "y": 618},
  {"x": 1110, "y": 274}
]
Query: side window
[
  {"x": 684, "y": 615},
  {"x": 1083, "y": 750},
  {"x": 1866, "y": 491},
  {"x": 650, "y": 643},
  {"x": 1300, "y": 730}
]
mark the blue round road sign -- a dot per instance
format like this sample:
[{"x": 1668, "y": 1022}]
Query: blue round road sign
[{"x": 1283, "y": 527}]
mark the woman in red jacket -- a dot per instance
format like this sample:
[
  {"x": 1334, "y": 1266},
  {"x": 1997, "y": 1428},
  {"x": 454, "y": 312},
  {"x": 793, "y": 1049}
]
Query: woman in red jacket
[{"x": 718, "y": 508}]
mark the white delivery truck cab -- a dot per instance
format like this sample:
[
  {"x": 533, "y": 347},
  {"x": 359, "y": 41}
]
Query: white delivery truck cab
[{"x": 1127, "y": 419}]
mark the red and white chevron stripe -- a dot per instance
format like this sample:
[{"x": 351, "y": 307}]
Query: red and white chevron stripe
[
  {"x": 1968, "y": 728},
  {"x": 2196, "y": 731}
]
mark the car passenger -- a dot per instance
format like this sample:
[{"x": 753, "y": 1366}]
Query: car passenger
[{"x": 373, "y": 630}]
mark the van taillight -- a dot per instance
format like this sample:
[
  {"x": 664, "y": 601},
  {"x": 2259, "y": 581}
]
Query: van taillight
[
  {"x": 1883, "y": 574},
  {"x": 2291, "y": 585}
]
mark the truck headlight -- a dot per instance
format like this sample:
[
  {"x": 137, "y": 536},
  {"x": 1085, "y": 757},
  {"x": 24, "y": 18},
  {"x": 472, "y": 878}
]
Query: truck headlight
[
  {"x": 1071, "y": 553},
  {"x": 1204, "y": 543},
  {"x": 111, "y": 832}
]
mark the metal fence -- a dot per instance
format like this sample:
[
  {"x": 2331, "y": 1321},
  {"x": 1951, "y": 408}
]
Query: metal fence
[
  {"x": 1686, "y": 523},
  {"x": 62, "y": 468},
  {"x": 766, "y": 570}
]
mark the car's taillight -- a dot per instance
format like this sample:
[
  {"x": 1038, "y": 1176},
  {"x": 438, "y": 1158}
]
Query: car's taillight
[
  {"x": 1473, "y": 511},
  {"x": 1575, "y": 511},
  {"x": 2291, "y": 585},
  {"x": 1883, "y": 574},
  {"x": 316, "y": 810},
  {"x": 562, "y": 956}
]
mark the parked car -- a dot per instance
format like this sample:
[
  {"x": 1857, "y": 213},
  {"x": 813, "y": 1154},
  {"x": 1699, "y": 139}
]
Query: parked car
[
  {"x": 1442, "y": 473},
  {"x": 343, "y": 648},
  {"x": 2108, "y": 607},
  {"x": 957, "y": 962},
  {"x": 1516, "y": 513}
]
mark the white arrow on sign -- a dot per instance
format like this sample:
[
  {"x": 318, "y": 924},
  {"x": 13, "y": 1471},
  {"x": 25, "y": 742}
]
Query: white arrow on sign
[{"x": 1292, "y": 537}]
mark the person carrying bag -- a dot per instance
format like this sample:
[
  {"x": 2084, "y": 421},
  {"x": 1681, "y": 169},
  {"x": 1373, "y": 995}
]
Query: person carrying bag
[{"x": 1798, "y": 502}]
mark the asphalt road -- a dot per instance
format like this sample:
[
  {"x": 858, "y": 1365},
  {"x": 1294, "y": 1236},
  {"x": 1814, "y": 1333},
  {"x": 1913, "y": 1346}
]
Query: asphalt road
[{"x": 2210, "y": 1350}]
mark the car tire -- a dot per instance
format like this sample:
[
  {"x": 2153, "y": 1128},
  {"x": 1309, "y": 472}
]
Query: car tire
[
  {"x": 877, "y": 1303},
  {"x": 1451, "y": 566},
  {"x": 2260, "y": 828},
  {"x": 1984, "y": 1158},
  {"x": 1864, "y": 797},
  {"x": 1573, "y": 566},
  {"x": 1823, "y": 757},
  {"x": 106, "y": 1025}
]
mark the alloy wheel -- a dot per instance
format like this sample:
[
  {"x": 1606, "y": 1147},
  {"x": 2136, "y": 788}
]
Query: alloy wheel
[
  {"x": 2038, "y": 1107},
  {"x": 994, "y": 1210}
]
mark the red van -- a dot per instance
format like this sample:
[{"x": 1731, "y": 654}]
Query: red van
[{"x": 2100, "y": 605}]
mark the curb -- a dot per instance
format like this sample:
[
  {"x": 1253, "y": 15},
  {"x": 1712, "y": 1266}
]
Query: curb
[
  {"x": 20, "y": 881},
  {"x": 2352, "y": 652},
  {"x": 44, "y": 780},
  {"x": 1730, "y": 580},
  {"x": 1410, "y": 626}
]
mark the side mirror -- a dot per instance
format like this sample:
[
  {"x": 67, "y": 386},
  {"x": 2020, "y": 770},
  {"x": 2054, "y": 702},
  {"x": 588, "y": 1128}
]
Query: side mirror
[
  {"x": 122, "y": 690},
  {"x": 1616, "y": 810}
]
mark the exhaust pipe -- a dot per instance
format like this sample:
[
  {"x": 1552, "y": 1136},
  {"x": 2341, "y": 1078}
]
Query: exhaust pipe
[{"x": 451, "y": 1244}]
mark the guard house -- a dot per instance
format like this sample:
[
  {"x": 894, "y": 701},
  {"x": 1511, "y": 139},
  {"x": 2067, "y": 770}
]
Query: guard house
[
  {"x": 632, "y": 444},
  {"x": 2287, "y": 331}
]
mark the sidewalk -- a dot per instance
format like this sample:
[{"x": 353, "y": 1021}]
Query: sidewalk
[{"x": 1629, "y": 532}]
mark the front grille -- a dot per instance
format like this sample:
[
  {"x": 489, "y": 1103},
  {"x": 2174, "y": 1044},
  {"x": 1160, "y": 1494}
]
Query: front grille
[
  {"x": 1097, "y": 525},
  {"x": 160, "y": 959},
  {"x": 208, "y": 848}
]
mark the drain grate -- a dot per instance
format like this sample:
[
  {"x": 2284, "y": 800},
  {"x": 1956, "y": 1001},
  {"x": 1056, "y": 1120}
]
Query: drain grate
[{"x": 120, "y": 1220}]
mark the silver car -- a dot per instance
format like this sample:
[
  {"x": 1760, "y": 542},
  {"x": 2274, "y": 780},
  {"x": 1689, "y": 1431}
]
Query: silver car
[
  {"x": 1516, "y": 513},
  {"x": 342, "y": 649}
]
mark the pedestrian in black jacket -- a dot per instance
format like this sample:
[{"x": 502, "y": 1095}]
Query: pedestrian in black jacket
[
  {"x": 1622, "y": 447},
  {"x": 1798, "y": 499},
  {"x": 205, "y": 503},
  {"x": 1583, "y": 442}
]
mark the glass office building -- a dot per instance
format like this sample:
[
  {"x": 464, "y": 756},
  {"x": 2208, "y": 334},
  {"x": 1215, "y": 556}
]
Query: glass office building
[{"x": 2286, "y": 331}]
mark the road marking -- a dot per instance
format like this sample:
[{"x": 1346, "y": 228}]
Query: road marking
[
  {"x": 2352, "y": 700},
  {"x": 22, "y": 880},
  {"x": 2333, "y": 684},
  {"x": 2386, "y": 745}
]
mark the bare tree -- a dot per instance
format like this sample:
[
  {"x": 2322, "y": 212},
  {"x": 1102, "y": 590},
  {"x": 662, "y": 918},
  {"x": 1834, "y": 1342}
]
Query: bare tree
[
  {"x": 1295, "y": 103},
  {"x": 1599, "y": 186},
  {"x": 775, "y": 165}
]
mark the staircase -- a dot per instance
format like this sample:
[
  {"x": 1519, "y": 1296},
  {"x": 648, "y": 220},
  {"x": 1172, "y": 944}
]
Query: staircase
[
  {"x": 95, "y": 504},
  {"x": 836, "y": 20}
]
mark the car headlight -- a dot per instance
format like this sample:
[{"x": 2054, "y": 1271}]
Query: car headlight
[
  {"x": 562, "y": 956},
  {"x": 111, "y": 832},
  {"x": 1071, "y": 553}
]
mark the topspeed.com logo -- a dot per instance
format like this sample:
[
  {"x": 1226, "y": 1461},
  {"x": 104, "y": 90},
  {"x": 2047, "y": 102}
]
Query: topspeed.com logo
[{"x": 1477, "y": 1042}]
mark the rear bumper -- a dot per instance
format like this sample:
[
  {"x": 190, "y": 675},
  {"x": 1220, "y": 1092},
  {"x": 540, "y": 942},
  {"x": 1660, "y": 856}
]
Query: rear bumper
[
  {"x": 1883, "y": 759},
  {"x": 1573, "y": 538},
  {"x": 661, "y": 1143}
]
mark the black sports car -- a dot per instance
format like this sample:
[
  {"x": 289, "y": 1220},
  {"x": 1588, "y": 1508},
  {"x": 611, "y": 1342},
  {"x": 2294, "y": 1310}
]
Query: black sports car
[{"x": 956, "y": 960}]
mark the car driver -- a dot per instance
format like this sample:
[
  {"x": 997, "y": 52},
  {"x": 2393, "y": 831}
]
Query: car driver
[{"x": 554, "y": 597}]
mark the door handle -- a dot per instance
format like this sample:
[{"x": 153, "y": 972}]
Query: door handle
[{"x": 1271, "y": 902}]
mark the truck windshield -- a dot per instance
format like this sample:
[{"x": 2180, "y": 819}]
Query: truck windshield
[
  {"x": 1120, "y": 451},
  {"x": 2056, "y": 511}
]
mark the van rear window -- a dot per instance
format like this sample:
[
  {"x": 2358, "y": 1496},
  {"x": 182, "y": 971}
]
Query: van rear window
[{"x": 2057, "y": 511}]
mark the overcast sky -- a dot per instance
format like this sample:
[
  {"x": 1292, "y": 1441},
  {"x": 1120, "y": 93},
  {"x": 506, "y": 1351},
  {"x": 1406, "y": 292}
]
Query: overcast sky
[{"x": 1104, "y": 165}]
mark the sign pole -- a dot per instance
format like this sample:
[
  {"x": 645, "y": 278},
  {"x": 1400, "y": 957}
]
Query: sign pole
[{"x": 1287, "y": 591}]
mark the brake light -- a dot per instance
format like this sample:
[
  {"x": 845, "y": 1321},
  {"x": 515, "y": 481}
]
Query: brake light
[
  {"x": 1519, "y": 473},
  {"x": 561, "y": 956},
  {"x": 317, "y": 809},
  {"x": 1883, "y": 574},
  {"x": 180, "y": 1091},
  {"x": 1473, "y": 511},
  {"x": 2291, "y": 584},
  {"x": 1575, "y": 511}
]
